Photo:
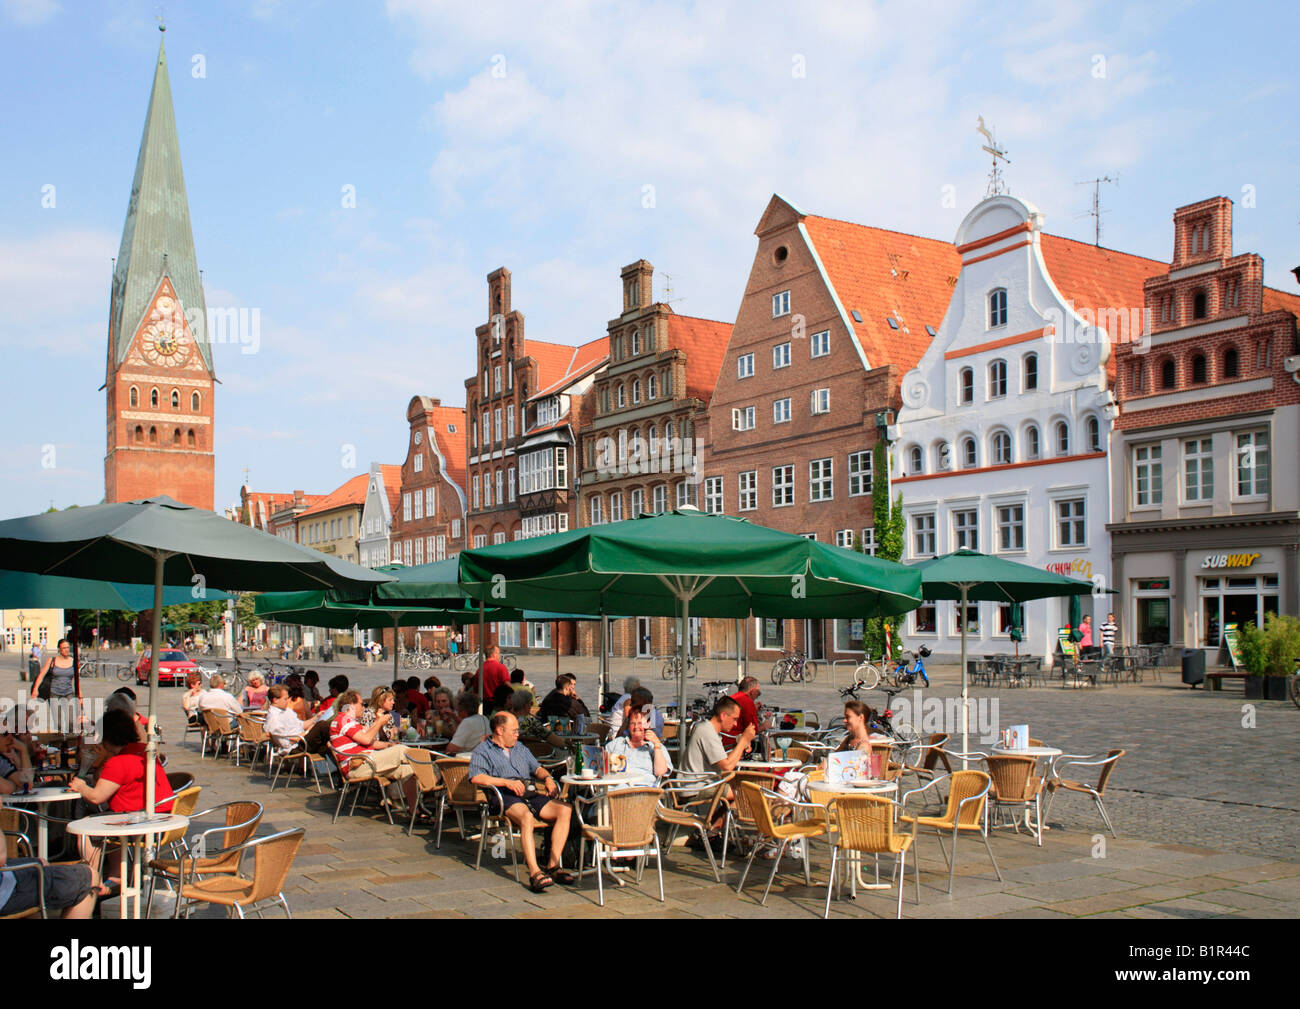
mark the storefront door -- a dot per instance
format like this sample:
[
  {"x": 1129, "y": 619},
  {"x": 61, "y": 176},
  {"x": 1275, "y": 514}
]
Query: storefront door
[{"x": 643, "y": 637}]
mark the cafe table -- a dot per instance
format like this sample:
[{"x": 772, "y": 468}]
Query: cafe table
[
  {"x": 777, "y": 765},
  {"x": 600, "y": 785},
  {"x": 37, "y": 797},
  {"x": 133, "y": 829}
]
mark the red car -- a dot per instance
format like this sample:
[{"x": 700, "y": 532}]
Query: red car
[{"x": 173, "y": 667}]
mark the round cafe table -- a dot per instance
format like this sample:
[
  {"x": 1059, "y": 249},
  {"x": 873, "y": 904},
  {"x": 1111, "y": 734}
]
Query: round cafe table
[
  {"x": 777, "y": 765},
  {"x": 133, "y": 835},
  {"x": 37, "y": 797},
  {"x": 599, "y": 786}
]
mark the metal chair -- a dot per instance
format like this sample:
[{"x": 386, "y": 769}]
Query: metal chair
[
  {"x": 252, "y": 734},
  {"x": 780, "y": 834},
  {"x": 964, "y": 813},
  {"x": 487, "y": 818},
  {"x": 216, "y": 728},
  {"x": 272, "y": 859},
  {"x": 458, "y": 794},
  {"x": 740, "y": 814},
  {"x": 315, "y": 761},
  {"x": 31, "y": 912},
  {"x": 344, "y": 763},
  {"x": 631, "y": 833},
  {"x": 1014, "y": 785},
  {"x": 1107, "y": 766},
  {"x": 427, "y": 784},
  {"x": 688, "y": 806}
]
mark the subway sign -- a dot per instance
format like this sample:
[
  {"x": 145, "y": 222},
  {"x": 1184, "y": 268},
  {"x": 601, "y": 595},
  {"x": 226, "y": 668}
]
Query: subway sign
[{"x": 1229, "y": 560}]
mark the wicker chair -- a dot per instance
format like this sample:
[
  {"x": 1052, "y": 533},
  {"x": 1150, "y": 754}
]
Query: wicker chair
[
  {"x": 313, "y": 761},
  {"x": 241, "y": 818},
  {"x": 252, "y": 734},
  {"x": 457, "y": 793},
  {"x": 866, "y": 826},
  {"x": 1015, "y": 786},
  {"x": 631, "y": 833},
  {"x": 1097, "y": 791},
  {"x": 272, "y": 859},
  {"x": 31, "y": 912},
  {"x": 179, "y": 781},
  {"x": 740, "y": 815},
  {"x": 344, "y": 763},
  {"x": 692, "y": 807},
  {"x": 427, "y": 784},
  {"x": 217, "y": 730},
  {"x": 487, "y": 819},
  {"x": 964, "y": 812},
  {"x": 760, "y": 800}
]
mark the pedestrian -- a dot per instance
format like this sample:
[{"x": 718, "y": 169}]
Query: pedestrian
[
  {"x": 1085, "y": 632},
  {"x": 1108, "y": 630}
]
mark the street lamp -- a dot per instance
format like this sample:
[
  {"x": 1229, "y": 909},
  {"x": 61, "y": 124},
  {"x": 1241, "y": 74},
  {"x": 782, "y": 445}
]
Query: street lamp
[{"x": 22, "y": 646}]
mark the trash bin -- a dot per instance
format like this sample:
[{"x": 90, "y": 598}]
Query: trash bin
[
  {"x": 1193, "y": 666},
  {"x": 361, "y": 653}
]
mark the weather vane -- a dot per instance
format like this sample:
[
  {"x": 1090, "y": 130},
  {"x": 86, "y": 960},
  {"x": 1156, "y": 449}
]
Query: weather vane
[{"x": 996, "y": 183}]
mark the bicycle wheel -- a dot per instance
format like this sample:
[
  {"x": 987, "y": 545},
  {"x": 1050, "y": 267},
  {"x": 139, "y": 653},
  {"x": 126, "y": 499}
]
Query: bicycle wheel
[
  {"x": 669, "y": 670},
  {"x": 426, "y": 660},
  {"x": 909, "y": 740},
  {"x": 778, "y": 672},
  {"x": 867, "y": 675},
  {"x": 125, "y": 672},
  {"x": 809, "y": 672},
  {"x": 510, "y": 661}
]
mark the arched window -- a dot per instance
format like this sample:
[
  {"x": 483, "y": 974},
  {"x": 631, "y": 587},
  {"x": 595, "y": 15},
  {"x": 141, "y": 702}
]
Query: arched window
[
  {"x": 636, "y": 390},
  {"x": 969, "y": 454},
  {"x": 153, "y": 398},
  {"x": 636, "y": 341},
  {"x": 153, "y": 436},
  {"x": 915, "y": 462},
  {"x": 997, "y": 308},
  {"x": 1062, "y": 438},
  {"x": 1198, "y": 370},
  {"x": 139, "y": 434},
  {"x": 1137, "y": 379},
  {"x": 670, "y": 433},
  {"x": 1001, "y": 448},
  {"x": 176, "y": 400},
  {"x": 622, "y": 396},
  {"x": 134, "y": 396},
  {"x": 652, "y": 386},
  {"x": 1231, "y": 363},
  {"x": 176, "y": 436},
  {"x": 653, "y": 439},
  {"x": 966, "y": 385},
  {"x": 1199, "y": 305},
  {"x": 1093, "y": 428},
  {"x": 997, "y": 379},
  {"x": 1031, "y": 372},
  {"x": 194, "y": 402},
  {"x": 942, "y": 456},
  {"x": 1033, "y": 446},
  {"x": 189, "y": 438},
  {"x": 1168, "y": 374}
]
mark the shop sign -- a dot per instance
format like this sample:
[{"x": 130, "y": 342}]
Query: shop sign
[
  {"x": 1080, "y": 567},
  {"x": 1229, "y": 560}
]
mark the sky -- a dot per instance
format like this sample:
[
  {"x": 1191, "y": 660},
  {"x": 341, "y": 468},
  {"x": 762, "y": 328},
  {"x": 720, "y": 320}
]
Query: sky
[{"x": 563, "y": 141}]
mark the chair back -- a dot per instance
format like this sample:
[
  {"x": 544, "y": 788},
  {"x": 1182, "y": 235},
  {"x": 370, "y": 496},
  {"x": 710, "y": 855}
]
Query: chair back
[
  {"x": 866, "y": 823},
  {"x": 1035, "y": 742},
  {"x": 455, "y": 778},
  {"x": 965, "y": 785},
  {"x": 272, "y": 859},
  {"x": 632, "y": 815},
  {"x": 242, "y": 819},
  {"x": 936, "y": 755},
  {"x": 251, "y": 730},
  {"x": 183, "y": 803},
  {"x": 13, "y": 822},
  {"x": 218, "y": 722},
  {"x": 538, "y": 747},
  {"x": 179, "y": 781},
  {"x": 744, "y": 809},
  {"x": 799, "y": 753},
  {"x": 670, "y": 730},
  {"x": 421, "y": 762},
  {"x": 751, "y": 800},
  {"x": 1112, "y": 758},
  {"x": 1011, "y": 777}
]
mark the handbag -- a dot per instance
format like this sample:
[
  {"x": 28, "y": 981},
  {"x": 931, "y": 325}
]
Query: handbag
[{"x": 43, "y": 691}]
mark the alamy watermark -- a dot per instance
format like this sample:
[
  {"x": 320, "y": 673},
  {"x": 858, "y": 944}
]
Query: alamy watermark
[
  {"x": 639, "y": 456},
  {"x": 66, "y": 715},
  {"x": 1083, "y": 325},
  {"x": 929, "y": 714}
]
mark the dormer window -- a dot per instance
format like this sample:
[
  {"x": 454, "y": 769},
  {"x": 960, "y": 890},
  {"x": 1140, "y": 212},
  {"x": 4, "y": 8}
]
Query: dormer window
[{"x": 997, "y": 308}]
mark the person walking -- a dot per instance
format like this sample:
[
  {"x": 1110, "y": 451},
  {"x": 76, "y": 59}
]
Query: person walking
[
  {"x": 62, "y": 673},
  {"x": 1108, "y": 631},
  {"x": 1085, "y": 631}
]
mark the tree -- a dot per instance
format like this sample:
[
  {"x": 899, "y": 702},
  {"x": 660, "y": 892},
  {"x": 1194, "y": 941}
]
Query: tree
[{"x": 889, "y": 525}]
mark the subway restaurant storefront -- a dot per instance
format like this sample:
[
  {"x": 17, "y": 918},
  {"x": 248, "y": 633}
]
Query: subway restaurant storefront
[{"x": 1181, "y": 583}]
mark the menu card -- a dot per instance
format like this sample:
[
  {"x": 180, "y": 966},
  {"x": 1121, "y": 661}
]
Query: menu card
[{"x": 850, "y": 765}]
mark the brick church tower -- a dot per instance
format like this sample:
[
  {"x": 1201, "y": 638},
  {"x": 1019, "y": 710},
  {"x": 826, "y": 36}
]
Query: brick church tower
[{"x": 160, "y": 376}]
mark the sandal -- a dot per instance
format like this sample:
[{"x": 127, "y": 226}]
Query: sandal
[
  {"x": 539, "y": 881},
  {"x": 561, "y": 875}
]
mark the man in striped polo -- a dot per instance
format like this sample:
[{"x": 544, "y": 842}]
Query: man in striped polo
[{"x": 1108, "y": 630}]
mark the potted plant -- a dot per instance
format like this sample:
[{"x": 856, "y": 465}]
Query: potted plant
[{"x": 1269, "y": 656}]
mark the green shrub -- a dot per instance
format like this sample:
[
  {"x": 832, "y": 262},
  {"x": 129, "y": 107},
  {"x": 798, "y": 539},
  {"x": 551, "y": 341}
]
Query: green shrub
[{"x": 1273, "y": 650}]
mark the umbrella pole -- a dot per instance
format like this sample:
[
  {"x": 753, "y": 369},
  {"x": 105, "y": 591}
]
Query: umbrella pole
[
  {"x": 395, "y": 633},
  {"x": 482, "y": 657},
  {"x": 965, "y": 699},
  {"x": 740, "y": 669},
  {"x": 602, "y": 662},
  {"x": 555, "y": 640},
  {"x": 684, "y": 639}
]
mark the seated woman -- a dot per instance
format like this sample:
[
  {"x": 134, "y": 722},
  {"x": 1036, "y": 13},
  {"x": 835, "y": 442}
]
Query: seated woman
[
  {"x": 190, "y": 699},
  {"x": 644, "y": 756},
  {"x": 121, "y": 782},
  {"x": 382, "y": 699},
  {"x": 444, "y": 718},
  {"x": 123, "y": 699},
  {"x": 253, "y": 696},
  {"x": 298, "y": 701},
  {"x": 530, "y": 726},
  {"x": 857, "y": 719}
]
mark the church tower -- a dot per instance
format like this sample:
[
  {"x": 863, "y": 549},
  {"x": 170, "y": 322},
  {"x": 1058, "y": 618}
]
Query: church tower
[{"x": 160, "y": 376}]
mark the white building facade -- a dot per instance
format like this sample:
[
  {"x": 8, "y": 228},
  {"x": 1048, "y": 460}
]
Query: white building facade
[
  {"x": 376, "y": 520},
  {"x": 1000, "y": 443}
]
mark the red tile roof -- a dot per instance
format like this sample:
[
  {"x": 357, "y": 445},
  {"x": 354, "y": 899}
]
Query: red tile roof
[
  {"x": 887, "y": 274},
  {"x": 581, "y": 361},
  {"x": 705, "y": 344},
  {"x": 353, "y": 492},
  {"x": 262, "y": 505},
  {"x": 450, "y": 443},
  {"x": 1281, "y": 301},
  {"x": 392, "y": 486}
]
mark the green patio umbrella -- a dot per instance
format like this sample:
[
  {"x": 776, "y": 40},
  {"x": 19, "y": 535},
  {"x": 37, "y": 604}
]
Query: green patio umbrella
[
  {"x": 967, "y": 575},
  {"x": 23, "y": 588},
  {"x": 686, "y": 563},
  {"x": 165, "y": 542}
]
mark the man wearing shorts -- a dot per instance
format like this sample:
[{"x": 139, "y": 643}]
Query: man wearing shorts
[
  {"x": 500, "y": 761},
  {"x": 69, "y": 889}
]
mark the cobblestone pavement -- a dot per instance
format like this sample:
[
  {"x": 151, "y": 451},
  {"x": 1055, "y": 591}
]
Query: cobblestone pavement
[{"x": 1206, "y": 809}]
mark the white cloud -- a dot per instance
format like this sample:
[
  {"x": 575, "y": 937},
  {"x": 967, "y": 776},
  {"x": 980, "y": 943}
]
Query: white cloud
[
  {"x": 53, "y": 287},
  {"x": 29, "y": 12}
]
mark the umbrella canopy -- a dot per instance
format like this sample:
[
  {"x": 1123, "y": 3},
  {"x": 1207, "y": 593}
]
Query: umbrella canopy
[
  {"x": 967, "y": 575},
  {"x": 22, "y": 588},
  {"x": 686, "y": 563},
  {"x": 316, "y": 609},
  {"x": 162, "y": 541},
  {"x": 435, "y": 584}
]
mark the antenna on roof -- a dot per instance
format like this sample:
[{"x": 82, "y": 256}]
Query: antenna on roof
[
  {"x": 668, "y": 298},
  {"x": 245, "y": 476},
  {"x": 996, "y": 183},
  {"x": 1096, "y": 210}
]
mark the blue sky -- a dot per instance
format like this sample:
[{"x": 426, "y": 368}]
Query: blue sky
[{"x": 525, "y": 135}]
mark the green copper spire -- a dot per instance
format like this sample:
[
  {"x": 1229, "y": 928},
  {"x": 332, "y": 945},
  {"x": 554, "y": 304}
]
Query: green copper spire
[{"x": 156, "y": 238}]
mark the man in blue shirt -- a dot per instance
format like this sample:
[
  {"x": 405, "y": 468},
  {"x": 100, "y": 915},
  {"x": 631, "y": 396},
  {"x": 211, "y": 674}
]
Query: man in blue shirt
[{"x": 499, "y": 761}]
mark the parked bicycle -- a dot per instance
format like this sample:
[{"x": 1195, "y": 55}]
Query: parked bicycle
[
  {"x": 905, "y": 675},
  {"x": 795, "y": 667},
  {"x": 672, "y": 667},
  {"x": 901, "y": 731},
  {"x": 867, "y": 675}
]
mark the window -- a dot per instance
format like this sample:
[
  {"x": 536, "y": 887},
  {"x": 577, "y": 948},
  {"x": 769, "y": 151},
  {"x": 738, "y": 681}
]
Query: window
[
  {"x": 997, "y": 379},
  {"x": 869, "y": 541},
  {"x": 1199, "y": 305},
  {"x": 440, "y": 548},
  {"x": 510, "y": 424},
  {"x": 496, "y": 378},
  {"x": 1062, "y": 438},
  {"x": 713, "y": 495},
  {"x": 621, "y": 397},
  {"x": 496, "y": 423},
  {"x": 638, "y": 502},
  {"x": 1252, "y": 464},
  {"x": 685, "y": 494},
  {"x": 652, "y": 386},
  {"x": 782, "y": 486},
  {"x": 844, "y": 538},
  {"x": 969, "y": 453},
  {"x": 597, "y": 518},
  {"x": 1011, "y": 527},
  {"x": 966, "y": 385},
  {"x": 153, "y": 436},
  {"x": 487, "y": 490},
  {"x": 1031, "y": 372},
  {"x": 860, "y": 464},
  {"x": 500, "y": 497},
  {"x": 636, "y": 342},
  {"x": 616, "y": 507},
  {"x": 480, "y": 540},
  {"x": 668, "y": 380},
  {"x": 742, "y": 418},
  {"x": 1168, "y": 374},
  {"x": 820, "y": 401},
  {"x": 1004, "y": 619},
  {"x": 475, "y": 491},
  {"x": 771, "y": 633},
  {"x": 406, "y": 506},
  {"x": 965, "y": 529},
  {"x": 430, "y": 501},
  {"x": 915, "y": 461},
  {"x": 487, "y": 428},
  {"x": 176, "y": 400},
  {"x": 1231, "y": 363},
  {"x": 780, "y": 304},
  {"x": 781, "y": 356},
  {"x": 1264, "y": 354},
  {"x": 1001, "y": 448},
  {"x": 942, "y": 457},
  {"x": 781, "y": 411},
  {"x": 419, "y": 551},
  {"x": 1148, "y": 476},
  {"x": 997, "y": 308},
  {"x": 194, "y": 402},
  {"x": 923, "y": 618},
  {"x": 561, "y": 467},
  {"x": 1198, "y": 469},
  {"x": 1199, "y": 370},
  {"x": 923, "y": 535},
  {"x": 455, "y": 529},
  {"x": 134, "y": 396},
  {"x": 1092, "y": 429},
  {"x": 747, "y": 490},
  {"x": 649, "y": 334},
  {"x": 1070, "y": 526},
  {"x": 510, "y": 482},
  {"x": 972, "y": 618},
  {"x": 1033, "y": 447},
  {"x": 636, "y": 390},
  {"x": 474, "y": 433},
  {"x": 417, "y": 465},
  {"x": 418, "y": 502},
  {"x": 189, "y": 438},
  {"x": 745, "y": 366},
  {"x": 821, "y": 480},
  {"x": 604, "y": 399},
  {"x": 660, "y": 498},
  {"x": 820, "y": 343},
  {"x": 1137, "y": 379},
  {"x": 153, "y": 398}
]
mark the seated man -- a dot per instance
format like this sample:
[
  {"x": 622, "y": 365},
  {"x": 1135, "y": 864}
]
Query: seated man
[
  {"x": 338, "y": 685},
  {"x": 286, "y": 729},
  {"x": 473, "y": 727},
  {"x": 218, "y": 698},
  {"x": 14, "y": 764},
  {"x": 563, "y": 701},
  {"x": 629, "y": 685},
  {"x": 746, "y": 695},
  {"x": 639, "y": 698},
  {"x": 644, "y": 755},
  {"x": 310, "y": 686},
  {"x": 348, "y": 738},
  {"x": 69, "y": 889},
  {"x": 416, "y": 703},
  {"x": 530, "y": 726},
  {"x": 501, "y": 762},
  {"x": 706, "y": 753}
]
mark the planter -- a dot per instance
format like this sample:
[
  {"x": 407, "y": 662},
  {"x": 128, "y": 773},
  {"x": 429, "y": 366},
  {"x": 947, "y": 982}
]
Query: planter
[
  {"x": 1255, "y": 687},
  {"x": 1275, "y": 688}
]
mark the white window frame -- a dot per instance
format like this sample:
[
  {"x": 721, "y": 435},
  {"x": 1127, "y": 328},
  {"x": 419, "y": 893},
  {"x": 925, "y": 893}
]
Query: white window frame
[
  {"x": 860, "y": 467},
  {"x": 417, "y": 464},
  {"x": 844, "y": 538},
  {"x": 819, "y": 401},
  {"x": 781, "y": 356},
  {"x": 869, "y": 541},
  {"x": 997, "y": 379},
  {"x": 1198, "y": 470},
  {"x": 417, "y": 506},
  {"x": 597, "y": 510},
  {"x": 713, "y": 495},
  {"x": 924, "y": 533},
  {"x": 659, "y": 498},
  {"x": 821, "y": 480},
  {"x": 781, "y": 413},
  {"x": 406, "y": 506},
  {"x": 819, "y": 344},
  {"x": 742, "y": 418},
  {"x": 1009, "y": 521},
  {"x": 997, "y": 308},
  {"x": 783, "y": 486},
  {"x": 1252, "y": 477},
  {"x": 747, "y": 490},
  {"x": 1076, "y": 520},
  {"x": 965, "y": 528},
  {"x": 745, "y": 366},
  {"x": 1153, "y": 467},
  {"x": 616, "y": 506},
  {"x": 780, "y": 304},
  {"x": 996, "y": 439},
  {"x": 637, "y": 502}
]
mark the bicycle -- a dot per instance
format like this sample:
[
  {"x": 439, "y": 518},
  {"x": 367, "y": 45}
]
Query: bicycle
[
  {"x": 902, "y": 732},
  {"x": 795, "y": 667},
  {"x": 672, "y": 667},
  {"x": 905, "y": 676},
  {"x": 868, "y": 675}
]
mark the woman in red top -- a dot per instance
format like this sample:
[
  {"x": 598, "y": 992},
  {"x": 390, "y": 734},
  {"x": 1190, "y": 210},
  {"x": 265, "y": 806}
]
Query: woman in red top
[{"x": 121, "y": 781}]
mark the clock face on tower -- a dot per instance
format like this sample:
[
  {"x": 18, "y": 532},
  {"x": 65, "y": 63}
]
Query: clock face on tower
[{"x": 165, "y": 341}]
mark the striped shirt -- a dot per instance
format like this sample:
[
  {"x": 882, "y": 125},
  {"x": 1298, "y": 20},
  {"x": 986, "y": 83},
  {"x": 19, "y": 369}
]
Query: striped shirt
[
  {"x": 498, "y": 762},
  {"x": 343, "y": 731},
  {"x": 1108, "y": 630}
]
